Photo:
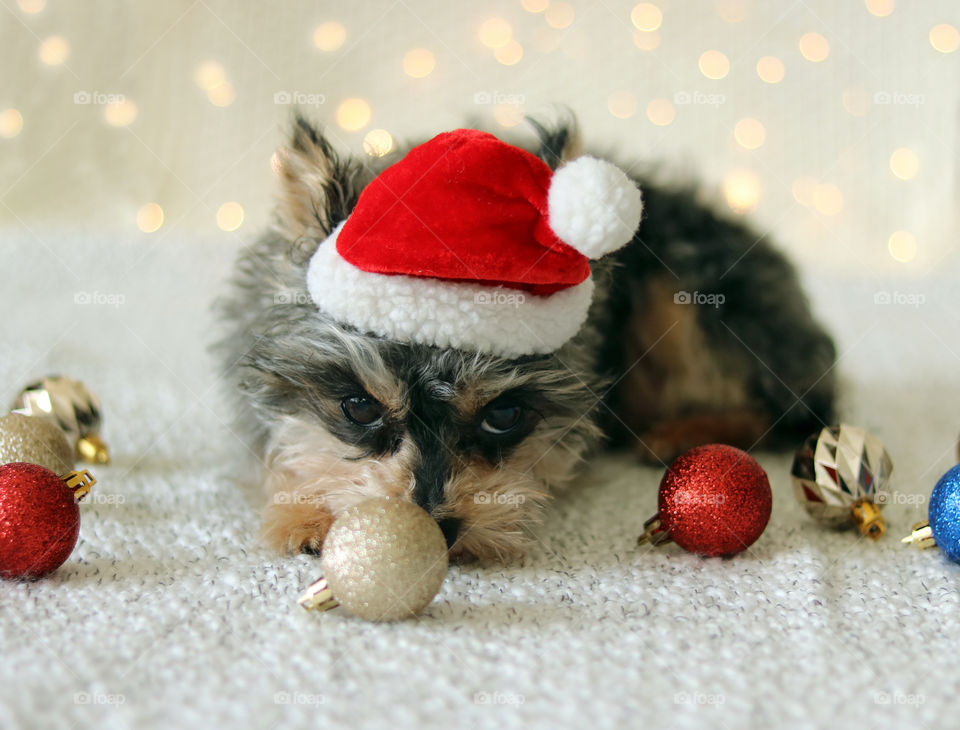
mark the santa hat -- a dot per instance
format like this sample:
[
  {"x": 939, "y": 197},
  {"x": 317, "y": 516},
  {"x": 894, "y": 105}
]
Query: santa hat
[{"x": 471, "y": 243}]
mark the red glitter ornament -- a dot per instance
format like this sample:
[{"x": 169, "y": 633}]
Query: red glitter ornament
[
  {"x": 714, "y": 500},
  {"x": 39, "y": 518}
]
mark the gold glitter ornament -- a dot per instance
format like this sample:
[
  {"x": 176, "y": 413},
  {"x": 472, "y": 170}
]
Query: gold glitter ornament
[
  {"x": 384, "y": 559},
  {"x": 34, "y": 441},
  {"x": 73, "y": 408}
]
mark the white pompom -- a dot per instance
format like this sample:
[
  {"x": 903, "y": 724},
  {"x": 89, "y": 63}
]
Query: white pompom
[{"x": 593, "y": 206}]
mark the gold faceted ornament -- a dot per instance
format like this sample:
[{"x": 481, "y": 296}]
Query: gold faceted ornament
[
  {"x": 383, "y": 560},
  {"x": 841, "y": 476},
  {"x": 34, "y": 441},
  {"x": 71, "y": 406}
]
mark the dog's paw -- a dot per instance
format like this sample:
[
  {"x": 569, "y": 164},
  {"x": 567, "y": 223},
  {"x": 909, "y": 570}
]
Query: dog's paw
[
  {"x": 296, "y": 529},
  {"x": 664, "y": 442}
]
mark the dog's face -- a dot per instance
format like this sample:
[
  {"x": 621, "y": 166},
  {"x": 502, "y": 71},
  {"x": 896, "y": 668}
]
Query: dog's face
[{"x": 474, "y": 439}]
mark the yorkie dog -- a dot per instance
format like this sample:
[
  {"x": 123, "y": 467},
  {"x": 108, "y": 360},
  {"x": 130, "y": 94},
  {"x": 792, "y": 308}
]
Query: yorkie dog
[{"x": 698, "y": 332}]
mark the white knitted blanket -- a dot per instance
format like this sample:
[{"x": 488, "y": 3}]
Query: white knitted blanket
[{"x": 170, "y": 614}]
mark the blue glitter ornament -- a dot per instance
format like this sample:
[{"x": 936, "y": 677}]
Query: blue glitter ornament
[{"x": 944, "y": 514}]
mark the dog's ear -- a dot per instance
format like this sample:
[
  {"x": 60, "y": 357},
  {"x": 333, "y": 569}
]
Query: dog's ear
[
  {"x": 318, "y": 187},
  {"x": 559, "y": 142}
]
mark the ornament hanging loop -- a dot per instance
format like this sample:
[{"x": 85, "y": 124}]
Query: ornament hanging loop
[
  {"x": 318, "y": 597},
  {"x": 868, "y": 518},
  {"x": 653, "y": 532},
  {"x": 92, "y": 450},
  {"x": 921, "y": 536},
  {"x": 79, "y": 482}
]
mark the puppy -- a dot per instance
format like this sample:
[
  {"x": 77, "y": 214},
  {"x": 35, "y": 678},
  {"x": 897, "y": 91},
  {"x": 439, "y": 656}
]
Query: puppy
[{"x": 698, "y": 332}]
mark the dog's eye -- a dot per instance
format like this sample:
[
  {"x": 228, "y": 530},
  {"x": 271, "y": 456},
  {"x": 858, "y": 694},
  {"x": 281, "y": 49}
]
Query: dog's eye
[
  {"x": 362, "y": 410},
  {"x": 502, "y": 418}
]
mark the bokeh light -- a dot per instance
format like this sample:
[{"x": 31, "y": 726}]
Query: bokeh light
[
  {"x": 902, "y": 246},
  {"x": 378, "y": 142},
  {"x": 329, "y": 36},
  {"x": 814, "y": 47},
  {"x": 353, "y": 114},
  {"x": 150, "y": 218},
  {"x": 741, "y": 188},
  {"x": 222, "y": 94},
  {"x": 120, "y": 113},
  {"x": 661, "y": 112},
  {"x": 209, "y": 75},
  {"x": 904, "y": 163},
  {"x": 622, "y": 104},
  {"x": 495, "y": 32},
  {"x": 731, "y": 11},
  {"x": 802, "y": 190},
  {"x": 534, "y": 6},
  {"x": 827, "y": 199},
  {"x": 419, "y": 63},
  {"x": 230, "y": 216},
  {"x": 54, "y": 50},
  {"x": 646, "y": 16},
  {"x": 770, "y": 69},
  {"x": 856, "y": 101},
  {"x": 509, "y": 54},
  {"x": 714, "y": 65},
  {"x": 880, "y": 8},
  {"x": 508, "y": 115},
  {"x": 750, "y": 133},
  {"x": 31, "y": 7},
  {"x": 276, "y": 164},
  {"x": 559, "y": 14},
  {"x": 646, "y": 41},
  {"x": 944, "y": 38},
  {"x": 11, "y": 122}
]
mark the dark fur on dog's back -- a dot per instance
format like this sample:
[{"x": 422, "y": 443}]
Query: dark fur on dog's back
[
  {"x": 655, "y": 372},
  {"x": 763, "y": 328}
]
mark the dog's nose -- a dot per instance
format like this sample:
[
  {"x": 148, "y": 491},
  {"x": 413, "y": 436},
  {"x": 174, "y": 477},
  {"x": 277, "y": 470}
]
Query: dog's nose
[{"x": 450, "y": 526}]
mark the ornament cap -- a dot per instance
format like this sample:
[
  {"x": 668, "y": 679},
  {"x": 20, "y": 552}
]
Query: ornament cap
[
  {"x": 79, "y": 482},
  {"x": 868, "y": 519},
  {"x": 654, "y": 532},
  {"x": 921, "y": 537},
  {"x": 318, "y": 597},
  {"x": 92, "y": 450}
]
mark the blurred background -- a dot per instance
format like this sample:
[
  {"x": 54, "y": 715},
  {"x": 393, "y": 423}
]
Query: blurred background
[{"x": 832, "y": 122}]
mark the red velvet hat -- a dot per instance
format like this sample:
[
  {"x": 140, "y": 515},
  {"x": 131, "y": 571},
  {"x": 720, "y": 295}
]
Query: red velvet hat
[{"x": 471, "y": 243}]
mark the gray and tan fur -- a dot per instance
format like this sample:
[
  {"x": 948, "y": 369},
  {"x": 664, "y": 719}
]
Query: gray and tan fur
[{"x": 646, "y": 371}]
